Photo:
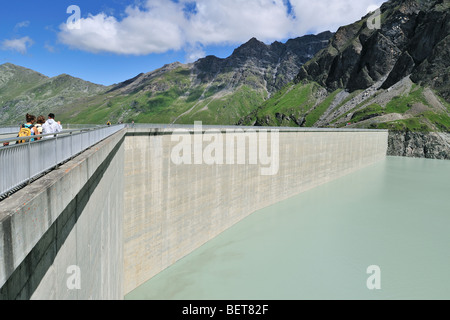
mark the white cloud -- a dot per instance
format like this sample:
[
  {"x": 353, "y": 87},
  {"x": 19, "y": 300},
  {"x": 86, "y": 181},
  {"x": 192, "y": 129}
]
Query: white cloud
[
  {"x": 372, "y": 8},
  {"x": 22, "y": 24},
  {"x": 49, "y": 47},
  {"x": 20, "y": 45},
  {"x": 330, "y": 14},
  {"x": 160, "y": 25},
  {"x": 193, "y": 53},
  {"x": 154, "y": 30},
  {"x": 235, "y": 21}
]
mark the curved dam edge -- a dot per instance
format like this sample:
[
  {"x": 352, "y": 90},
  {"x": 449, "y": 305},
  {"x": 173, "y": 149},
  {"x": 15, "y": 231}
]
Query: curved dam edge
[
  {"x": 121, "y": 212},
  {"x": 173, "y": 208}
]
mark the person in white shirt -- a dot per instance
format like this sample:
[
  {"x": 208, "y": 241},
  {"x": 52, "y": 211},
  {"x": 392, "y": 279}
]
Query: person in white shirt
[{"x": 51, "y": 126}]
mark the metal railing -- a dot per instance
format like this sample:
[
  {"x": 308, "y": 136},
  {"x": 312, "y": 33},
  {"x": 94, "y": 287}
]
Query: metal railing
[
  {"x": 71, "y": 126},
  {"x": 9, "y": 129},
  {"x": 22, "y": 163}
]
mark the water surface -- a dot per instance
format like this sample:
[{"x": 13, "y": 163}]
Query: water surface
[{"x": 319, "y": 244}]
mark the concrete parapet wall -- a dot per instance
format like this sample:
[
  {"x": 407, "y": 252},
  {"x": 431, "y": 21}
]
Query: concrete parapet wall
[
  {"x": 61, "y": 236},
  {"x": 172, "y": 209}
]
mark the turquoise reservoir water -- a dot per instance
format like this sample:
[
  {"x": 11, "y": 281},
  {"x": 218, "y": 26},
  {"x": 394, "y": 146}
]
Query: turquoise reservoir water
[{"x": 394, "y": 215}]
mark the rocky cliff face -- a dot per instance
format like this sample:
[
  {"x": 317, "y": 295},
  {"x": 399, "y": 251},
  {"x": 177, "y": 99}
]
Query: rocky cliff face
[
  {"x": 419, "y": 145},
  {"x": 268, "y": 66},
  {"x": 394, "y": 76},
  {"x": 413, "y": 40}
]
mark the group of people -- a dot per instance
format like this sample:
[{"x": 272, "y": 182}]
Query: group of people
[{"x": 36, "y": 126}]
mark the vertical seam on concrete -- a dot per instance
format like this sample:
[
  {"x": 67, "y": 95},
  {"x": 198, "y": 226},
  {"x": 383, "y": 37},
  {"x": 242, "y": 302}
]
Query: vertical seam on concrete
[{"x": 8, "y": 247}]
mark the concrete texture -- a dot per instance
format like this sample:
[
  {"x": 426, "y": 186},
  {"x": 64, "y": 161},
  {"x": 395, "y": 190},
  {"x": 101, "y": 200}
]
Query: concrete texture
[
  {"x": 70, "y": 217},
  {"x": 170, "y": 210},
  {"x": 124, "y": 210}
]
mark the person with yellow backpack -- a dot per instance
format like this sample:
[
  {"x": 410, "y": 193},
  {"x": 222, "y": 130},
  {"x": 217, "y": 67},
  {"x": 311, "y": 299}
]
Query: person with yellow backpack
[{"x": 28, "y": 129}]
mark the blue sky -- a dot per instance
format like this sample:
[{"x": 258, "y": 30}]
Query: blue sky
[{"x": 112, "y": 41}]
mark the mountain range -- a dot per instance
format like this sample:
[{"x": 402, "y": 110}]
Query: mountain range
[
  {"x": 393, "y": 77},
  {"x": 212, "y": 90}
]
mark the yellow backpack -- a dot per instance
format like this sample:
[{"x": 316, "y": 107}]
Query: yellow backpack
[{"x": 24, "y": 132}]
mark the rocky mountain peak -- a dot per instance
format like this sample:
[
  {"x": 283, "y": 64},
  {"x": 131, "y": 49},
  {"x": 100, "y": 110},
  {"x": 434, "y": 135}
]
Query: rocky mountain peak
[
  {"x": 413, "y": 40},
  {"x": 278, "y": 62}
]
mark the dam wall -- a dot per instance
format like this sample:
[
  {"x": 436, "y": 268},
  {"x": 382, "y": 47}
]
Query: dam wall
[
  {"x": 129, "y": 207},
  {"x": 61, "y": 236},
  {"x": 173, "y": 207}
]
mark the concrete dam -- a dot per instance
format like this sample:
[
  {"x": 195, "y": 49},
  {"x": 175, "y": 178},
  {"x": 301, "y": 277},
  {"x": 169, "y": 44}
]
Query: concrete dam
[{"x": 119, "y": 213}]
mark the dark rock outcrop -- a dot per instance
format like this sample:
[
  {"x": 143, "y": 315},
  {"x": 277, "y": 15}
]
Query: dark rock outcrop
[
  {"x": 419, "y": 145},
  {"x": 273, "y": 66},
  {"x": 413, "y": 40}
]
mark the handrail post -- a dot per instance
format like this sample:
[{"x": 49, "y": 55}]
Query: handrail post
[
  {"x": 29, "y": 161},
  {"x": 56, "y": 151}
]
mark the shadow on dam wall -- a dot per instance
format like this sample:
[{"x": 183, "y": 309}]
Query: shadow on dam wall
[
  {"x": 137, "y": 202},
  {"x": 72, "y": 217},
  {"x": 25, "y": 278}
]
